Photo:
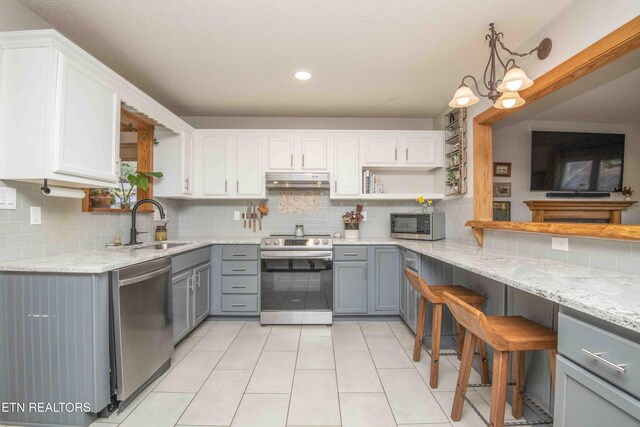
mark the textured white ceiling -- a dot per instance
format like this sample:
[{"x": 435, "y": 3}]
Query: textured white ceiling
[{"x": 369, "y": 58}]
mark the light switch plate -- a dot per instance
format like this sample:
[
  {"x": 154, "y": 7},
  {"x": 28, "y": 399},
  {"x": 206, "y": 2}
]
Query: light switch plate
[
  {"x": 7, "y": 198},
  {"x": 560, "y": 244},
  {"x": 364, "y": 215},
  {"x": 236, "y": 215},
  {"x": 36, "y": 215}
]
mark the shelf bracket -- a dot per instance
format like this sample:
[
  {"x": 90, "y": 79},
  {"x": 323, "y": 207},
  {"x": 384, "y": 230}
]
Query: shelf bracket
[{"x": 478, "y": 233}]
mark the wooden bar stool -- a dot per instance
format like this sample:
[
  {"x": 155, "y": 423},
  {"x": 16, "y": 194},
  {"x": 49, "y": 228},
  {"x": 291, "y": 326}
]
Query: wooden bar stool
[
  {"x": 434, "y": 295},
  {"x": 505, "y": 334}
]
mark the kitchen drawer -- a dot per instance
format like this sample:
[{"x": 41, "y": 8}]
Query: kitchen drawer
[
  {"x": 576, "y": 337},
  {"x": 239, "y": 252},
  {"x": 230, "y": 268},
  {"x": 190, "y": 259},
  {"x": 350, "y": 253},
  {"x": 240, "y": 284},
  {"x": 239, "y": 302}
]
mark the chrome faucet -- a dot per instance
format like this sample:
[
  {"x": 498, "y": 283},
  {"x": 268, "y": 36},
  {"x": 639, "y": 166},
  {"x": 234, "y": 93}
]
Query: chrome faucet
[{"x": 133, "y": 237}]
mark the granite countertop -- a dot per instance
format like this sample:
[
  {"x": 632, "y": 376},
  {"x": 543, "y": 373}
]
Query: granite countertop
[
  {"x": 96, "y": 261},
  {"x": 608, "y": 295}
]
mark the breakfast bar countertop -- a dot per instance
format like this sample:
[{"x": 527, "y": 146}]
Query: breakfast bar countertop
[{"x": 605, "y": 294}]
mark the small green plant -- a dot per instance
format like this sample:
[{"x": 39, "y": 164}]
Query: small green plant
[{"x": 136, "y": 179}]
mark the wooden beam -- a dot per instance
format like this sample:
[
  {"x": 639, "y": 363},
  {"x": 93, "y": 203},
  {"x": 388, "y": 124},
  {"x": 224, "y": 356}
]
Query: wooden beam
[
  {"x": 482, "y": 172},
  {"x": 601, "y": 231}
]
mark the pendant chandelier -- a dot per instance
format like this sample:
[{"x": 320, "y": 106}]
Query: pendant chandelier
[{"x": 503, "y": 92}]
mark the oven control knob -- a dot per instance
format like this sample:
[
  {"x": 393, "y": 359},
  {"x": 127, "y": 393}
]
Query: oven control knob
[
  {"x": 268, "y": 242},
  {"x": 277, "y": 242},
  {"x": 316, "y": 242},
  {"x": 325, "y": 242}
]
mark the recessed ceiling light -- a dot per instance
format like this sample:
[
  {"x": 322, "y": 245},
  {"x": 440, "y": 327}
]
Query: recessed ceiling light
[{"x": 302, "y": 75}]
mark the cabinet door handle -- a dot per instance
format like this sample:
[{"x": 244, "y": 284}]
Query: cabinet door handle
[
  {"x": 364, "y": 274},
  {"x": 186, "y": 184},
  {"x": 598, "y": 356},
  {"x": 238, "y": 305},
  {"x": 406, "y": 154},
  {"x": 189, "y": 284},
  {"x": 237, "y": 185},
  {"x": 239, "y": 254},
  {"x": 292, "y": 160},
  {"x": 225, "y": 185},
  {"x": 198, "y": 279},
  {"x": 238, "y": 269},
  {"x": 238, "y": 286},
  {"x": 335, "y": 186},
  {"x": 396, "y": 154},
  {"x": 303, "y": 160},
  {"x": 350, "y": 254}
]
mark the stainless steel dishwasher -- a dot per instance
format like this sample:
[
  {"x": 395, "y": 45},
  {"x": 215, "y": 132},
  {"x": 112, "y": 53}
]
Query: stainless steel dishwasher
[{"x": 142, "y": 324}]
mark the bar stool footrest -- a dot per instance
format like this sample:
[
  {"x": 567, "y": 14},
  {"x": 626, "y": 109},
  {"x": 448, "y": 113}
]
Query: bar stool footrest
[
  {"x": 546, "y": 419},
  {"x": 427, "y": 348}
]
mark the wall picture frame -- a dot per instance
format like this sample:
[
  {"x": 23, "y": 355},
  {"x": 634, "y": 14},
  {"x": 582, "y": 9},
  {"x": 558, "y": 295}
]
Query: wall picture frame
[
  {"x": 501, "y": 189},
  {"x": 501, "y": 169},
  {"x": 502, "y": 211}
]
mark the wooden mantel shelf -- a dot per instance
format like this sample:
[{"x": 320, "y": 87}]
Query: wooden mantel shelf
[
  {"x": 581, "y": 210},
  {"x": 602, "y": 231}
]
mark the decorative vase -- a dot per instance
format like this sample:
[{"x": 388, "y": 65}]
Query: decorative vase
[{"x": 427, "y": 209}]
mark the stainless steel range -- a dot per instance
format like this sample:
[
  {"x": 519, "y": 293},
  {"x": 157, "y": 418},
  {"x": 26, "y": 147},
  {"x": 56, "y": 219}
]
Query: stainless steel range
[{"x": 297, "y": 280}]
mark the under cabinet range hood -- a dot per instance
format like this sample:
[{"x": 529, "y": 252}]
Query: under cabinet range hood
[{"x": 297, "y": 181}]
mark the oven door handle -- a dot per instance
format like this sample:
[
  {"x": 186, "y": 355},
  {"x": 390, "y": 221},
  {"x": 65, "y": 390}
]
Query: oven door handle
[{"x": 322, "y": 255}]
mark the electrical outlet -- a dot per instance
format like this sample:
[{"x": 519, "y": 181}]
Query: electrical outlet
[
  {"x": 236, "y": 215},
  {"x": 364, "y": 215},
  {"x": 560, "y": 244},
  {"x": 36, "y": 215}
]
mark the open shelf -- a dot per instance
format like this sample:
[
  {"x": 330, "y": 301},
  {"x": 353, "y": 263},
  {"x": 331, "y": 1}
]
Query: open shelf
[{"x": 403, "y": 184}]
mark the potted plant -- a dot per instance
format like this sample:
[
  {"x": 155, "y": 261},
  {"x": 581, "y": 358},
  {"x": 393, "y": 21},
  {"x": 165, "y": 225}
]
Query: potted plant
[
  {"x": 136, "y": 179},
  {"x": 100, "y": 197}
]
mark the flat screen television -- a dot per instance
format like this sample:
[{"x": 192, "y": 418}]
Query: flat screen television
[{"x": 576, "y": 161}]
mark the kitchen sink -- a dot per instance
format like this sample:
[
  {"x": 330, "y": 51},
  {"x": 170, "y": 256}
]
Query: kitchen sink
[{"x": 160, "y": 246}]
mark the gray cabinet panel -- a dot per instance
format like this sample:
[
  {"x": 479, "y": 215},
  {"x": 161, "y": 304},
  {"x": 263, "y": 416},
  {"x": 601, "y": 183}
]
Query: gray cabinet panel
[
  {"x": 54, "y": 344},
  {"x": 240, "y": 284},
  {"x": 350, "y": 287},
  {"x": 584, "y": 400},
  {"x": 189, "y": 259},
  {"x": 230, "y": 268},
  {"x": 576, "y": 335},
  {"x": 403, "y": 285},
  {"x": 239, "y": 303},
  {"x": 350, "y": 253},
  {"x": 240, "y": 252},
  {"x": 181, "y": 288},
  {"x": 201, "y": 289},
  {"x": 385, "y": 293}
]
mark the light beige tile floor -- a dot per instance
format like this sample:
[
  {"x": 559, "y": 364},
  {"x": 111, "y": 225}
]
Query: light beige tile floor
[{"x": 236, "y": 373}]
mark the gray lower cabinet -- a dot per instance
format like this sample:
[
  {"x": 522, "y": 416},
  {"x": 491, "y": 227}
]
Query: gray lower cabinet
[
  {"x": 350, "y": 287},
  {"x": 190, "y": 288},
  {"x": 409, "y": 298},
  {"x": 384, "y": 292},
  {"x": 235, "y": 289},
  {"x": 597, "y": 377},
  {"x": 584, "y": 399}
]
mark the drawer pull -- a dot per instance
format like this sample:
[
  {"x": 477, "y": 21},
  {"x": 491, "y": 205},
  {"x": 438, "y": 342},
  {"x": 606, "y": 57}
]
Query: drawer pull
[
  {"x": 350, "y": 254},
  {"x": 238, "y": 269},
  {"x": 239, "y": 254},
  {"x": 238, "y": 286},
  {"x": 598, "y": 356},
  {"x": 238, "y": 305}
]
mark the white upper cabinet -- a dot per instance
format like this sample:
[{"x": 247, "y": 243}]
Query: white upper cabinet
[
  {"x": 301, "y": 152},
  {"x": 186, "y": 160},
  {"x": 280, "y": 153},
  {"x": 87, "y": 124},
  {"x": 380, "y": 150},
  {"x": 59, "y": 116},
  {"x": 174, "y": 157},
  {"x": 314, "y": 150},
  {"x": 410, "y": 149},
  {"x": 249, "y": 173},
  {"x": 216, "y": 151},
  {"x": 346, "y": 168}
]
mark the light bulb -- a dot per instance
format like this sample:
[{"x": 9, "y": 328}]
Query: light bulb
[
  {"x": 303, "y": 75},
  {"x": 514, "y": 85},
  {"x": 463, "y": 101},
  {"x": 508, "y": 103}
]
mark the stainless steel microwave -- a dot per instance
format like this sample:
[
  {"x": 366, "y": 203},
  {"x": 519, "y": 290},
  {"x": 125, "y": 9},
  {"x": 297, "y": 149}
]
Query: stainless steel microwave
[{"x": 418, "y": 226}]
